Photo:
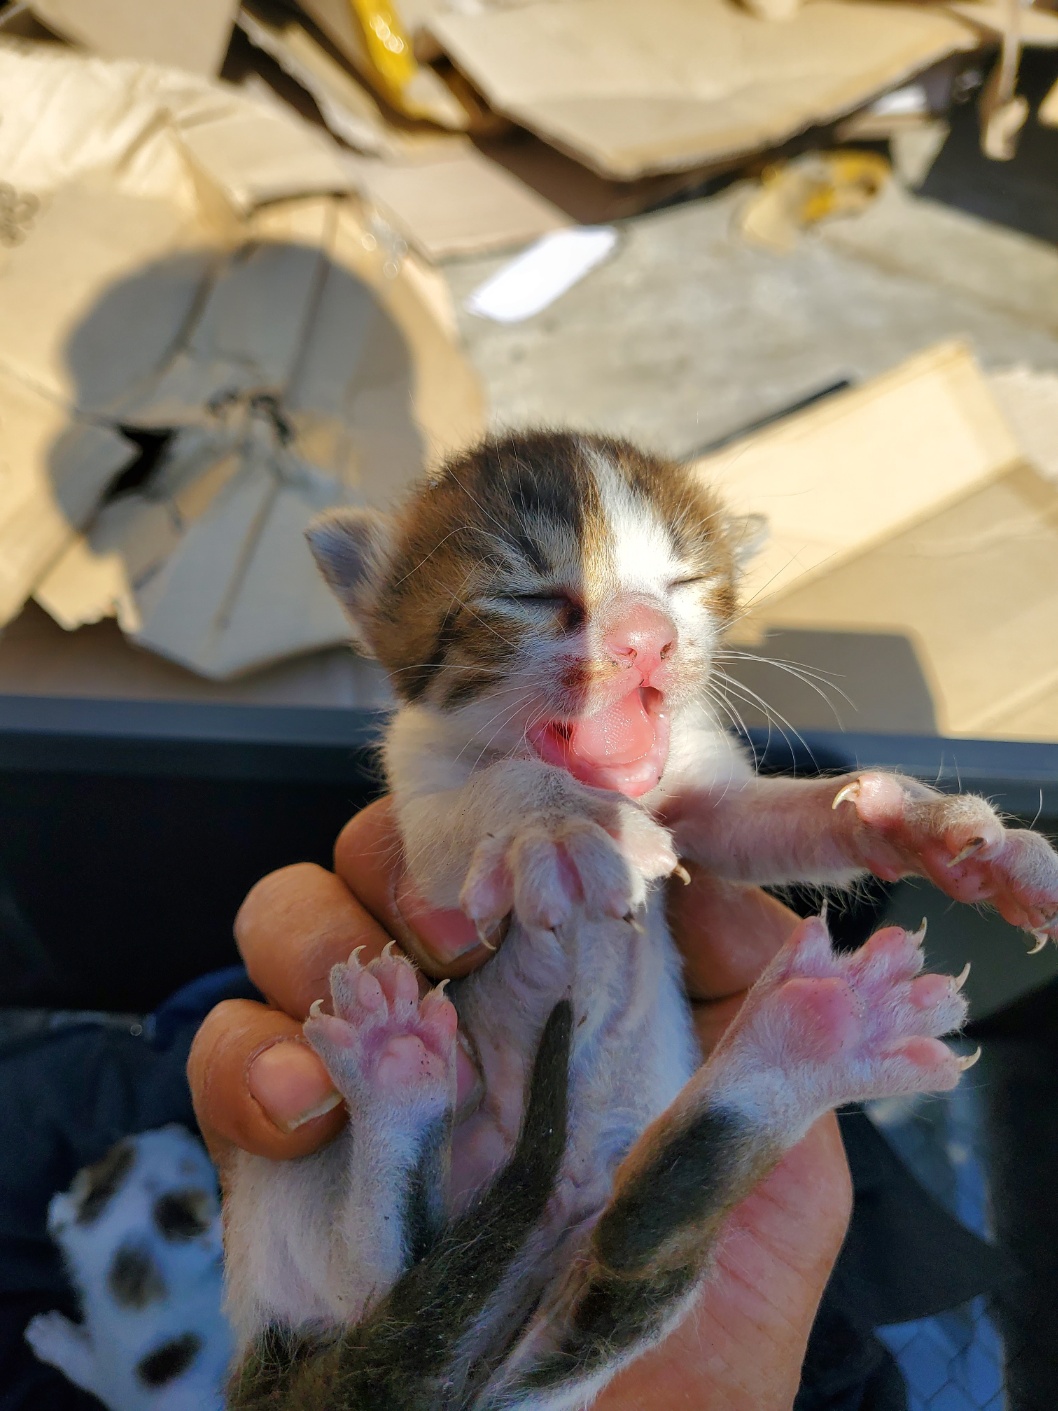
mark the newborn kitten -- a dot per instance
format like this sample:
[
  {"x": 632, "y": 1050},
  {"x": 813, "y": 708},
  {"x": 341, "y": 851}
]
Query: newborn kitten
[{"x": 548, "y": 608}]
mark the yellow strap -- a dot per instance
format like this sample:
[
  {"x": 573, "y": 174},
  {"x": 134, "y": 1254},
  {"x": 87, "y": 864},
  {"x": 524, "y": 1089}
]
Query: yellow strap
[{"x": 388, "y": 46}]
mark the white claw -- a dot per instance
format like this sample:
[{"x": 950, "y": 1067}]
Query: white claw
[
  {"x": 441, "y": 986},
  {"x": 959, "y": 980},
  {"x": 484, "y": 938},
  {"x": 850, "y": 791},
  {"x": 1041, "y": 940},
  {"x": 315, "y": 1008},
  {"x": 973, "y": 846},
  {"x": 969, "y": 1059},
  {"x": 387, "y": 949},
  {"x": 354, "y": 956},
  {"x": 824, "y": 904},
  {"x": 920, "y": 935},
  {"x": 681, "y": 872},
  {"x": 635, "y": 924}
]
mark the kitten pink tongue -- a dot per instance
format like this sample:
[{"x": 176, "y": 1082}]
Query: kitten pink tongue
[
  {"x": 622, "y": 746},
  {"x": 617, "y": 734}
]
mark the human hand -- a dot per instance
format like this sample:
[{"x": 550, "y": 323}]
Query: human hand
[{"x": 257, "y": 1085}]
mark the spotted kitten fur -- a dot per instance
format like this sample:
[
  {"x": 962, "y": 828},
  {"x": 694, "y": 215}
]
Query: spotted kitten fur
[
  {"x": 549, "y": 608},
  {"x": 140, "y": 1237}
]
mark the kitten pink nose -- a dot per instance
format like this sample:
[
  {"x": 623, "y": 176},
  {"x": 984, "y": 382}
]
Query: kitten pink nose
[{"x": 640, "y": 635}]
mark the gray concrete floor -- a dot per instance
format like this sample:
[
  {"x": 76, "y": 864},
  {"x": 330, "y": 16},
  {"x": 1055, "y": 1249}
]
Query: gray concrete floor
[{"x": 688, "y": 333}]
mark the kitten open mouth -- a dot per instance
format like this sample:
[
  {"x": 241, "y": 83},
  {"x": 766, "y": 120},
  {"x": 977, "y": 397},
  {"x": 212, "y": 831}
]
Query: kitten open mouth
[{"x": 623, "y": 746}]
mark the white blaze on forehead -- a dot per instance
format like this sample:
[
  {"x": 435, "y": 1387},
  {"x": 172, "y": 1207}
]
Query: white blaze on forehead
[{"x": 641, "y": 552}]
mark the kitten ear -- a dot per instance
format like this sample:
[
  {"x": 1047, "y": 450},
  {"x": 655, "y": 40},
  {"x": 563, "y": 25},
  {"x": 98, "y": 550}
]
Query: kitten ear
[
  {"x": 353, "y": 548},
  {"x": 747, "y": 534}
]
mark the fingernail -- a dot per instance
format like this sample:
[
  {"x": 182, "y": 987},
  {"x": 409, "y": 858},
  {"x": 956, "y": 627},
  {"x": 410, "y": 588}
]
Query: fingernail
[
  {"x": 291, "y": 1085},
  {"x": 446, "y": 934}
]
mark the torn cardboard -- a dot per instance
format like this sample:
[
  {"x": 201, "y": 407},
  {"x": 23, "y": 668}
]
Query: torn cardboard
[
  {"x": 1048, "y": 109},
  {"x": 630, "y": 89},
  {"x": 292, "y": 354},
  {"x": 975, "y": 589},
  {"x": 1037, "y": 28},
  {"x": 456, "y": 202},
  {"x": 424, "y": 95},
  {"x": 443, "y": 195},
  {"x": 350, "y": 110},
  {"x": 186, "y": 34},
  {"x": 853, "y": 469},
  {"x": 904, "y": 511}
]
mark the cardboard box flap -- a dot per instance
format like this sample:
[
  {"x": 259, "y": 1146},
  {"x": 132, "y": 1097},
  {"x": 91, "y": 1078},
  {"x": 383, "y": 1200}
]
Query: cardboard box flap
[
  {"x": 975, "y": 588},
  {"x": 348, "y": 108},
  {"x": 153, "y": 132},
  {"x": 221, "y": 612},
  {"x": 432, "y": 98},
  {"x": 237, "y": 332},
  {"x": 54, "y": 473},
  {"x": 912, "y": 538},
  {"x": 631, "y": 89},
  {"x": 189, "y": 34},
  {"x": 457, "y": 202},
  {"x": 851, "y": 470}
]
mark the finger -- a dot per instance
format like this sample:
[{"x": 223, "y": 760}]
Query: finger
[
  {"x": 256, "y": 1084},
  {"x": 742, "y": 1345},
  {"x": 727, "y": 932},
  {"x": 293, "y": 926},
  {"x": 368, "y": 857}
]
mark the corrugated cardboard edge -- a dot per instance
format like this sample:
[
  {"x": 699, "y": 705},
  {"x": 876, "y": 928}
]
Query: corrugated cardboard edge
[
  {"x": 953, "y": 367},
  {"x": 464, "y": 39}
]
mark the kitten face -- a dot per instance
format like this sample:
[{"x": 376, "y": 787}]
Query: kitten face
[{"x": 557, "y": 593}]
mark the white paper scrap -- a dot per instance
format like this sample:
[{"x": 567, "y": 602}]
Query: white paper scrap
[{"x": 540, "y": 274}]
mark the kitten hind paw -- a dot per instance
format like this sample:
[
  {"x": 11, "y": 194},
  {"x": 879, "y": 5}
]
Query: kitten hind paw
[{"x": 822, "y": 1028}]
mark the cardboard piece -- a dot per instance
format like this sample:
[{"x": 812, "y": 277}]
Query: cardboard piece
[
  {"x": 852, "y": 470},
  {"x": 1048, "y": 109},
  {"x": 942, "y": 562},
  {"x": 154, "y": 133},
  {"x": 457, "y": 202},
  {"x": 631, "y": 89},
  {"x": 37, "y": 658},
  {"x": 426, "y": 96},
  {"x": 350, "y": 110},
  {"x": 41, "y": 514},
  {"x": 188, "y": 34},
  {"x": 1037, "y": 28},
  {"x": 974, "y": 587},
  {"x": 443, "y": 195},
  {"x": 294, "y": 358}
]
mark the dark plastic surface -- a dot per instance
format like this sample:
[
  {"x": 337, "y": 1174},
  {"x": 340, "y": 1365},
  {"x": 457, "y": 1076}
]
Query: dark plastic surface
[{"x": 130, "y": 831}]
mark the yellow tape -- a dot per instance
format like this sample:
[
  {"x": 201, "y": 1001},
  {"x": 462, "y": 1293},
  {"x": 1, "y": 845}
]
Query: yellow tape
[{"x": 388, "y": 46}]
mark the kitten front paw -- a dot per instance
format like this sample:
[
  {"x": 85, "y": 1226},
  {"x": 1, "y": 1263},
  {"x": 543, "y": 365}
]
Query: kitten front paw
[
  {"x": 822, "y": 1028},
  {"x": 382, "y": 1043},
  {"x": 545, "y": 867},
  {"x": 960, "y": 843}
]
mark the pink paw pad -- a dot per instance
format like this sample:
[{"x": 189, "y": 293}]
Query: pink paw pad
[
  {"x": 547, "y": 867},
  {"x": 960, "y": 843},
  {"x": 380, "y": 1036},
  {"x": 820, "y": 1028}
]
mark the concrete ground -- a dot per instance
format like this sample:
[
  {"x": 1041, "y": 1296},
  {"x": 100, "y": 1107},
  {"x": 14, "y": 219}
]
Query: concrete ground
[{"x": 688, "y": 334}]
